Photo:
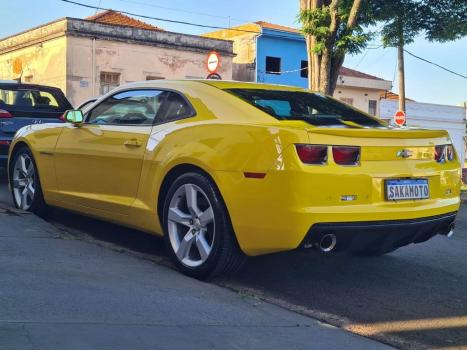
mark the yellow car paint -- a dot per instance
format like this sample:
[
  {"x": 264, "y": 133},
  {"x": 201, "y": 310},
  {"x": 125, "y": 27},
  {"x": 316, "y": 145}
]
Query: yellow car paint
[{"x": 89, "y": 169}]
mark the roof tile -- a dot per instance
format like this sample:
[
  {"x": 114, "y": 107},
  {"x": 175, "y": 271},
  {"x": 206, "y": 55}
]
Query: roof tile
[{"x": 119, "y": 19}]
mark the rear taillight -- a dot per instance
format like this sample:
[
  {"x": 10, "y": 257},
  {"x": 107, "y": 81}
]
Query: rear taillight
[
  {"x": 62, "y": 117},
  {"x": 346, "y": 155},
  {"x": 4, "y": 143},
  {"x": 5, "y": 114},
  {"x": 312, "y": 154},
  {"x": 444, "y": 153}
]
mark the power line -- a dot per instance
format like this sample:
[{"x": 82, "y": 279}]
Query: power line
[
  {"x": 159, "y": 19},
  {"x": 183, "y": 11},
  {"x": 435, "y": 64}
]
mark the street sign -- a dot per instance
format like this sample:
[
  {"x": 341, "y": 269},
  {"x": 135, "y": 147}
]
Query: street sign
[
  {"x": 213, "y": 62},
  {"x": 399, "y": 118}
]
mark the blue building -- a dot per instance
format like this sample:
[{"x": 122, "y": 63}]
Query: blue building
[{"x": 271, "y": 53}]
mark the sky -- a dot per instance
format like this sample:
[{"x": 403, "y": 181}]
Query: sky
[{"x": 424, "y": 82}]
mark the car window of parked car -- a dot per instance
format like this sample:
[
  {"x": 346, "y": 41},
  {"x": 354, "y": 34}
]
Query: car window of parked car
[
  {"x": 314, "y": 108},
  {"x": 135, "y": 107},
  {"x": 175, "y": 107},
  {"x": 29, "y": 100}
]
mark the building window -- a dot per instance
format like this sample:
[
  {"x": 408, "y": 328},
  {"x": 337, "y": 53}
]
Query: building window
[
  {"x": 372, "y": 107},
  {"x": 109, "y": 81},
  {"x": 304, "y": 69},
  {"x": 273, "y": 65},
  {"x": 347, "y": 100},
  {"x": 154, "y": 77}
]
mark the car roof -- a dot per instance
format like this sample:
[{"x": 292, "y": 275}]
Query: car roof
[
  {"x": 12, "y": 84},
  {"x": 220, "y": 84}
]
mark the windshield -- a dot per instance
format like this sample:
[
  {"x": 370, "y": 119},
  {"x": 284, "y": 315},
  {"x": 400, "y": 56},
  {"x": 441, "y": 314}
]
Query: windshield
[{"x": 314, "y": 108}]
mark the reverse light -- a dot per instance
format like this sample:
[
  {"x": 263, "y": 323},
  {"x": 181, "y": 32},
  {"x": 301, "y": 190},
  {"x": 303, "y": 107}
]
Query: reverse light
[
  {"x": 312, "y": 154},
  {"x": 5, "y": 114},
  {"x": 346, "y": 155}
]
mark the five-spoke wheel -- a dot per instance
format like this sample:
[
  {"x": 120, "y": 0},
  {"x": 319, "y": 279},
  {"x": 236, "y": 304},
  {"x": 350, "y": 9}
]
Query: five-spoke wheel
[
  {"x": 191, "y": 225},
  {"x": 24, "y": 182},
  {"x": 198, "y": 232}
]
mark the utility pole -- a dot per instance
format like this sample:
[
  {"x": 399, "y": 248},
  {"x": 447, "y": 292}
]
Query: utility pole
[
  {"x": 400, "y": 59},
  {"x": 400, "y": 66}
]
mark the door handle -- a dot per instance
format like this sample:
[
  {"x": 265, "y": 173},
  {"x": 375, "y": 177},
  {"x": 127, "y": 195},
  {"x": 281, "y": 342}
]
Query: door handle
[{"x": 133, "y": 143}]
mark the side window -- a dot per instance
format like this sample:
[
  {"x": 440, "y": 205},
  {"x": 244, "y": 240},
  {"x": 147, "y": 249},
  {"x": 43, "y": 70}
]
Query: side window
[
  {"x": 175, "y": 107},
  {"x": 136, "y": 107}
]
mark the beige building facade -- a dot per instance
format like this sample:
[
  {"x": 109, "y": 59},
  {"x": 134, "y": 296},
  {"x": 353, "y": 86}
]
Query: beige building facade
[{"x": 86, "y": 58}]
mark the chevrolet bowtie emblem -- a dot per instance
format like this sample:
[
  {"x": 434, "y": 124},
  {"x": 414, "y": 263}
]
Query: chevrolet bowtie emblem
[{"x": 405, "y": 153}]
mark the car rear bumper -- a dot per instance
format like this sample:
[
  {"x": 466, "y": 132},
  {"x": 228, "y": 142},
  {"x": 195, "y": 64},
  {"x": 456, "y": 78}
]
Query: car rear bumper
[{"x": 382, "y": 236}]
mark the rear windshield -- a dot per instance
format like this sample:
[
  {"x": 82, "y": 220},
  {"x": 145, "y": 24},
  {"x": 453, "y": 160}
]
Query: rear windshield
[
  {"x": 314, "y": 108},
  {"x": 31, "y": 100}
]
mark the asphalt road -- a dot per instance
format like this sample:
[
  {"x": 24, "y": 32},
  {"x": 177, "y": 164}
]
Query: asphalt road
[
  {"x": 415, "y": 297},
  {"x": 60, "y": 292}
]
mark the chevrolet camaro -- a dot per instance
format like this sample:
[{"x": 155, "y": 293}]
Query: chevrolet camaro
[{"x": 224, "y": 170}]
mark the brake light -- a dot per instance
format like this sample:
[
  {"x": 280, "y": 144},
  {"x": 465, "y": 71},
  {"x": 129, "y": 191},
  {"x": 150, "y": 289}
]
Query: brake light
[
  {"x": 4, "y": 143},
  {"x": 444, "y": 153},
  {"x": 312, "y": 154},
  {"x": 346, "y": 155},
  {"x": 62, "y": 118},
  {"x": 5, "y": 114}
]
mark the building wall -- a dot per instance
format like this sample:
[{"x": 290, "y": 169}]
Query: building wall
[
  {"x": 244, "y": 47},
  {"x": 359, "y": 96},
  {"x": 291, "y": 51},
  {"x": 40, "y": 63},
  {"x": 134, "y": 62}
]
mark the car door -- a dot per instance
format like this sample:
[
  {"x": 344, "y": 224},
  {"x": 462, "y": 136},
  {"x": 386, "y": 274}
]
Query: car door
[{"x": 98, "y": 165}]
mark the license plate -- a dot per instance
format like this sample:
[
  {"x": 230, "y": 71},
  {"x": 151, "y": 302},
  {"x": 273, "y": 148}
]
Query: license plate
[{"x": 397, "y": 190}]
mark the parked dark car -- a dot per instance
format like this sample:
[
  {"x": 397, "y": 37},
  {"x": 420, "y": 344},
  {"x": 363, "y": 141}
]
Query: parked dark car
[{"x": 26, "y": 104}]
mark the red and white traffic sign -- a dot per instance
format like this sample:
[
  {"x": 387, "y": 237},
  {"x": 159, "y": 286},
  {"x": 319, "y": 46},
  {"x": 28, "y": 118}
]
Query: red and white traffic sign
[
  {"x": 213, "y": 62},
  {"x": 399, "y": 118}
]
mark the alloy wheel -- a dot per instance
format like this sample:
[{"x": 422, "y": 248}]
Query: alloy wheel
[
  {"x": 191, "y": 225},
  {"x": 24, "y": 186}
]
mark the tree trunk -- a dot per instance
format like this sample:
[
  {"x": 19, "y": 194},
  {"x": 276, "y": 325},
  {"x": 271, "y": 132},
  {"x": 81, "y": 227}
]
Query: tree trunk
[{"x": 324, "y": 67}]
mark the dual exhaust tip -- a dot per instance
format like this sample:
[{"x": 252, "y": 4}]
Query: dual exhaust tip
[{"x": 327, "y": 243}]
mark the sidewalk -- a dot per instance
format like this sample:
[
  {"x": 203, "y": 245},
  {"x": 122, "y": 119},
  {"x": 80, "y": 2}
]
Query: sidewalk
[{"x": 62, "y": 293}]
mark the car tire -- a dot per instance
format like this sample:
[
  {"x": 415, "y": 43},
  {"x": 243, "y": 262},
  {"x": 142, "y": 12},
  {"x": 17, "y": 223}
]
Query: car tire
[
  {"x": 25, "y": 183},
  {"x": 199, "y": 236}
]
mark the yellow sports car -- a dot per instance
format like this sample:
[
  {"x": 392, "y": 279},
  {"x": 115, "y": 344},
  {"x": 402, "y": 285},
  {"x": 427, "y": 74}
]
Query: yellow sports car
[{"x": 225, "y": 170}]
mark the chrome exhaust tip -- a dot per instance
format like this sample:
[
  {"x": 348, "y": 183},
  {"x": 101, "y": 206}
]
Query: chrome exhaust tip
[
  {"x": 448, "y": 231},
  {"x": 451, "y": 231},
  {"x": 327, "y": 243}
]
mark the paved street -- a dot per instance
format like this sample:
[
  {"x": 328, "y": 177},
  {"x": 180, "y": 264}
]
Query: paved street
[
  {"x": 59, "y": 292},
  {"x": 413, "y": 298}
]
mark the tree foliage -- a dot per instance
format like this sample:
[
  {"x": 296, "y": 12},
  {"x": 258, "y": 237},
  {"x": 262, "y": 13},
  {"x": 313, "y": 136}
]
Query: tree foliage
[
  {"x": 334, "y": 28},
  {"x": 436, "y": 20}
]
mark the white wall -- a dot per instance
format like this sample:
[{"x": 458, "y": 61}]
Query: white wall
[{"x": 432, "y": 116}]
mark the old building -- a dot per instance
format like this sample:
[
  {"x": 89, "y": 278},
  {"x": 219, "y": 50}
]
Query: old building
[
  {"x": 88, "y": 57},
  {"x": 271, "y": 53}
]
